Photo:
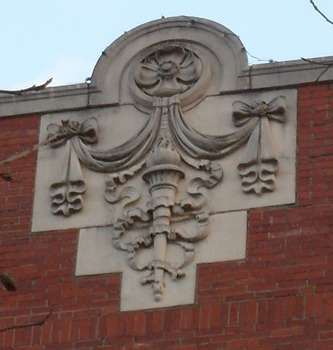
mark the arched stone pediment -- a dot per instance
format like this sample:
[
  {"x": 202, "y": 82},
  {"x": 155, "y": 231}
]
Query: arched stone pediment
[{"x": 220, "y": 49}]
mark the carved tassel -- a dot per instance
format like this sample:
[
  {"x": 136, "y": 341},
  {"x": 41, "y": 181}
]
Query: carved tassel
[
  {"x": 66, "y": 194},
  {"x": 259, "y": 164}
]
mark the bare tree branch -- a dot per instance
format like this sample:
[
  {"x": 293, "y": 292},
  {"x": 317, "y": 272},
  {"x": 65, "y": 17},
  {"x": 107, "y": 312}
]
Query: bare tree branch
[
  {"x": 30, "y": 324},
  {"x": 257, "y": 58},
  {"x": 325, "y": 65},
  {"x": 24, "y": 153},
  {"x": 29, "y": 89},
  {"x": 321, "y": 13},
  {"x": 7, "y": 177}
]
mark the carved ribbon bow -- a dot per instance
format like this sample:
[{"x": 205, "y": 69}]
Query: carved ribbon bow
[
  {"x": 274, "y": 110},
  {"x": 86, "y": 131},
  {"x": 259, "y": 164}
]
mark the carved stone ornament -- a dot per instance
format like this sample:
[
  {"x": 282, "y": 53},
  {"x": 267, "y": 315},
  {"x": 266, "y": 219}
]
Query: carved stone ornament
[
  {"x": 157, "y": 192},
  {"x": 161, "y": 146},
  {"x": 259, "y": 164},
  {"x": 67, "y": 193},
  {"x": 168, "y": 71}
]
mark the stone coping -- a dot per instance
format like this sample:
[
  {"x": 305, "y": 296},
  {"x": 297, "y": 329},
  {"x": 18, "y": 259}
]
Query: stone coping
[{"x": 78, "y": 96}]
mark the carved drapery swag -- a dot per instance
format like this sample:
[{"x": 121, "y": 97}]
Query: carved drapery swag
[{"x": 164, "y": 143}]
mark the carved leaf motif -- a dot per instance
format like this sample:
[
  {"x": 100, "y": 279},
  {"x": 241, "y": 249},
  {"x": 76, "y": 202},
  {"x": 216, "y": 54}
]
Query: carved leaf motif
[
  {"x": 190, "y": 69},
  {"x": 126, "y": 220},
  {"x": 197, "y": 186},
  {"x": 183, "y": 235},
  {"x": 127, "y": 195},
  {"x": 193, "y": 230}
]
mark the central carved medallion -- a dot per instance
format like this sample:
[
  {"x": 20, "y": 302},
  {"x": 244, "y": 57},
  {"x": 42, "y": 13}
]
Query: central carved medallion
[
  {"x": 168, "y": 71},
  {"x": 176, "y": 213}
]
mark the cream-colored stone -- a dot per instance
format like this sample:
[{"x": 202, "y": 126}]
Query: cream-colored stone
[
  {"x": 96, "y": 255},
  {"x": 215, "y": 43},
  {"x": 166, "y": 171},
  {"x": 227, "y": 238},
  {"x": 290, "y": 73},
  {"x": 116, "y": 125},
  {"x": 228, "y": 194}
]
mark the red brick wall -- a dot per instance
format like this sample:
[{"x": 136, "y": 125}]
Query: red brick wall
[{"x": 280, "y": 298}]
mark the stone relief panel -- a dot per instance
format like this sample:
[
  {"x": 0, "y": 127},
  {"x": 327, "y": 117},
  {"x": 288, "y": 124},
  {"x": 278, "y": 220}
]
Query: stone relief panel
[
  {"x": 226, "y": 241},
  {"x": 156, "y": 175}
]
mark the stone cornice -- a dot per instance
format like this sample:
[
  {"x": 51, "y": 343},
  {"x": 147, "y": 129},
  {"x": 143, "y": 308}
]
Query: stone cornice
[
  {"x": 77, "y": 96},
  {"x": 53, "y": 99},
  {"x": 290, "y": 73}
]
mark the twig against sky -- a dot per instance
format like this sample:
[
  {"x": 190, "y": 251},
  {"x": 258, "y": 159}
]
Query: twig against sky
[
  {"x": 32, "y": 88},
  {"x": 257, "y": 58},
  {"x": 320, "y": 12},
  {"x": 326, "y": 66}
]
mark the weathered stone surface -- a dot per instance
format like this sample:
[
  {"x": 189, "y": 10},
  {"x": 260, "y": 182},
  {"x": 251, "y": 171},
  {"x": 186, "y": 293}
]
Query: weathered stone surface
[
  {"x": 160, "y": 154},
  {"x": 117, "y": 124},
  {"x": 96, "y": 255},
  {"x": 216, "y": 44}
]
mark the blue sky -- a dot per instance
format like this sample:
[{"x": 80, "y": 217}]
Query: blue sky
[{"x": 63, "y": 39}]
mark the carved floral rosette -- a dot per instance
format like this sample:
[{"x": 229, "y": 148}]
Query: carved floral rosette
[
  {"x": 161, "y": 148},
  {"x": 168, "y": 71}
]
